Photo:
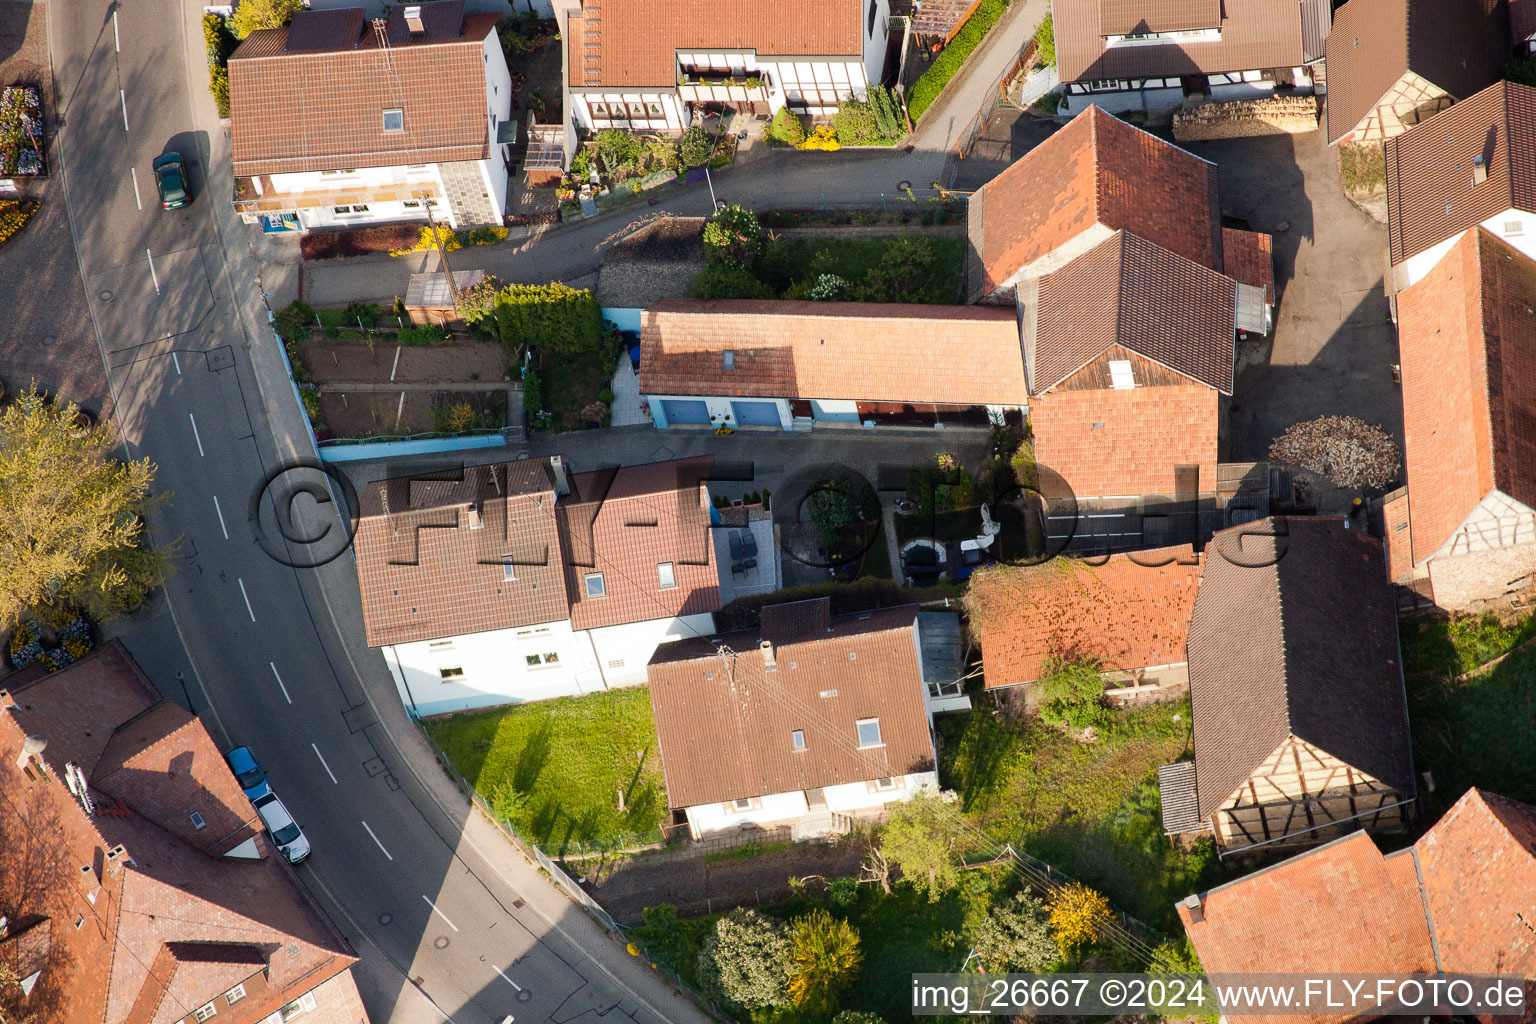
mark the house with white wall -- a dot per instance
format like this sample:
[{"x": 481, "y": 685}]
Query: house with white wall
[
  {"x": 649, "y": 64},
  {"x": 338, "y": 121},
  {"x": 1124, "y": 55},
  {"x": 1466, "y": 168},
  {"x": 809, "y": 721},
  {"x": 521, "y": 581}
]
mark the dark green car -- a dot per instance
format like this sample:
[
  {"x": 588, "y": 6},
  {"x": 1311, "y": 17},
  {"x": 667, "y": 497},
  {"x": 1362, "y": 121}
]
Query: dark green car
[{"x": 171, "y": 180}]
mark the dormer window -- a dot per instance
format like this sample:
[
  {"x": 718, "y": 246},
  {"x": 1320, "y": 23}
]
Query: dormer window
[
  {"x": 730, "y": 359},
  {"x": 1121, "y": 376},
  {"x": 394, "y": 119}
]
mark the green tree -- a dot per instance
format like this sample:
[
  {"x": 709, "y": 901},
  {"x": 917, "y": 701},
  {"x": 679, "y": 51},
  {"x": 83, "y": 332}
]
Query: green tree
[
  {"x": 921, "y": 837},
  {"x": 855, "y": 123},
  {"x": 695, "y": 147},
  {"x": 733, "y": 235},
  {"x": 831, "y": 509},
  {"x": 251, "y": 15},
  {"x": 71, "y": 526},
  {"x": 857, "y": 1017},
  {"x": 787, "y": 128},
  {"x": 824, "y": 960},
  {"x": 1045, "y": 39},
  {"x": 1072, "y": 694},
  {"x": 744, "y": 962},
  {"x": 294, "y": 320},
  {"x": 617, "y": 147},
  {"x": 728, "y": 281},
  {"x": 887, "y": 112},
  {"x": 1015, "y": 936},
  {"x": 549, "y": 318},
  {"x": 12, "y": 999}
]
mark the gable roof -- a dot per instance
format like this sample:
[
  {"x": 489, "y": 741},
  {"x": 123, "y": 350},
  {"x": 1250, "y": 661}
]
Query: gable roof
[
  {"x": 1129, "y": 612},
  {"x": 1294, "y": 633},
  {"x": 636, "y": 42},
  {"x": 724, "y": 720},
  {"x": 1458, "y": 45},
  {"x": 1467, "y": 342},
  {"x": 1096, "y": 170},
  {"x": 322, "y": 109},
  {"x": 165, "y": 927},
  {"x": 1127, "y": 291},
  {"x": 1255, "y": 34},
  {"x": 625, "y": 523},
  {"x": 1457, "y": 901},
  {"x": 424, "y": 571},
  {"x": 1430, "y": 193},
  {"x": 886, "y": 352}
]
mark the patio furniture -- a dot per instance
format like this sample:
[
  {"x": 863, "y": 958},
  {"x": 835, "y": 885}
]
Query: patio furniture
[{"x": 748, "y": 544}]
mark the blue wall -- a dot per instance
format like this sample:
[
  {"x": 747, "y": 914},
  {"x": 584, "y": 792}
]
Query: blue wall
[
  {"x": 624, "y": 319},
  {"x": 385, "y": 449}
]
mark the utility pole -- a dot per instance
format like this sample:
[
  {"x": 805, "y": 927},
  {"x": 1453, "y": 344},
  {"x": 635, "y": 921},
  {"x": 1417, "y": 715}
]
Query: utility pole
[{"x": 442, "y": 253}]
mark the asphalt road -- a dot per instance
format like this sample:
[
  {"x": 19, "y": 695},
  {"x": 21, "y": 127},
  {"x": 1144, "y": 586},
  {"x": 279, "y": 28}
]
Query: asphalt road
[{"x": 438, "y": 906}]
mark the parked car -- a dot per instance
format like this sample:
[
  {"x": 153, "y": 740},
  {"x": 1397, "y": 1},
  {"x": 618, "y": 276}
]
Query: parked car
[
  {"x": 171, "y": 180},
  {"x": 248, "y": 773},
  {"x": 281, "y": 828}
]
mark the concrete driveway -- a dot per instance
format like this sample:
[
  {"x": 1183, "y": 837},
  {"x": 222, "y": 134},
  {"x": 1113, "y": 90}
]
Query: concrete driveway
[{"x": 1334, "y": 345}]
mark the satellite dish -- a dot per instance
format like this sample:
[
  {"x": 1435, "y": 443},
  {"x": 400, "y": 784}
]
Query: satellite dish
[{"x": 34, "y": 745}]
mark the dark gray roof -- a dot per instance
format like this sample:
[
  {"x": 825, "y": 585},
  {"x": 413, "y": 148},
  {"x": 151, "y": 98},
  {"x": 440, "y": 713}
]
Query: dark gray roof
[
  {"x": 1176, "y": 786},
  {"x": 440, "y": 20},
  {"x": 1295, "y": 633},
  {"x": 939, "y": 635},
  {"x": 337, "y": 29},
  {"x": 658, "y": 261}
]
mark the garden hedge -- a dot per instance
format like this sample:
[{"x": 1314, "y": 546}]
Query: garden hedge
[
  {"x": 220, "y": 43},
  {"x": 552, "y": 317},
  {"x": 949, "y": 63}
]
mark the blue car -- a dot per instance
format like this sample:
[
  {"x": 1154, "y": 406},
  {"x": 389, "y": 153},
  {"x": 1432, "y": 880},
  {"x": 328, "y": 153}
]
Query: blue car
[{"x": 248, "y": 773}]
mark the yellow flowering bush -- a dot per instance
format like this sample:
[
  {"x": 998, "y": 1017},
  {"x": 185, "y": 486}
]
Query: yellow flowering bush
[
  {"x": 453, "y": 240},
  {"x": 1078, "y": 918},
  {"x": 824, "y": 137},
  {"x": 14, "y": 213}
]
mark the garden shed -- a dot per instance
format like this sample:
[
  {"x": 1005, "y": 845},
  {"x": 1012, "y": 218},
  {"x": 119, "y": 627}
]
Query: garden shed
[{"x": 429, "y": 300}]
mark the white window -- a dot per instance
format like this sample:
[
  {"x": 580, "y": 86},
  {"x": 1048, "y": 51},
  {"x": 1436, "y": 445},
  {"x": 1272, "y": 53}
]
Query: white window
[
  {"x": 869, "y": 732},
  {"x": 205, "y": 1012},
  {"x": 884, "y": 785},
  {"x": 1120, "y": 375},
  {"x": 742, "y": 806},
  {"x": 665, "y": 575},
  {"x": 298, "y": 1006},
  {"x": 797, "y": 738},
  {"x": 234, "y": 995},
  {"x": 594, "y": 581},
  {"x": 394, "y": 119},
  {"x": 508, "y": 570},
  {"x": 197, "y": 820},
  {"x": 450, "y": 673},
  {"x": 540, "y": 660}
]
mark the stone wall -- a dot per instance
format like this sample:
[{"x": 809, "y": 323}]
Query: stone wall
[{"x": 1274, "y": 115}]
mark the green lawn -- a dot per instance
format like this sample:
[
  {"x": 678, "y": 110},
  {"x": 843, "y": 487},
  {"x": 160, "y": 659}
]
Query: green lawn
[
  {"x": 1090, "y": 809},
  {"x": 1480, "y": 731},
  {"x": 555, "y": 768},
  {"x": 570, "y": 384}
]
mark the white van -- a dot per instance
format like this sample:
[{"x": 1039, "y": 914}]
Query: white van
[{"x": 281, "y": 828}]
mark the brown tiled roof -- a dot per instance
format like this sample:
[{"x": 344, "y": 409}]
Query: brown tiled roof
[
  {"x": 1127, "y": 613},
  {"x": 1340, "y": 907},
  {"x": 625, "y": 524},
  {"x": 1295, "y": 634},
  {"x": 1458, "y": 45},
  {"x": 634, "y": 43},
  {"x": 323, "y": 110},
  {"x": 1255, "y": 34},
  {"x": 723, "y": 722},
  {"x": 886, "y": 352},
  {"x": 1128, "y": 292},
  {"x": 1096, "y": 170},
  {"x": 425, "y": 572},
  {"x": 1467, "y": 341},
  {"x": 1463, "y": 891},
  {"x": 1250, "y": 259},
  {"x": 171, "y": 927},
  {"x": 1522, "y": 20},
  {"x": 1125, "y": 17},
  {"x": 1430, "y": 193}
]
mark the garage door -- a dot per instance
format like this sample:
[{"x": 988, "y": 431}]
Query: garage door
[
  {"x": 756, "y": 414},
  {"x": 685, "y": 411}
]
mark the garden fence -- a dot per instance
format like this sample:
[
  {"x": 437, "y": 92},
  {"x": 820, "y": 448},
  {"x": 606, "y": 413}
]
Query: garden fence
[
  {"x": 1125, "y": 933},
  {"x": 997, "y": 98}
]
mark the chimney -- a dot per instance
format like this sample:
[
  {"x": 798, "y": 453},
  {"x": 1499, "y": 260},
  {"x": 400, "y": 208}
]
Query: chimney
[
  {"x": 475, "y": 522},
  {"x": 413, "y": 21},
  {"x": 1479, "y": 170},
  {"x": 1196, "y": 909},
  {"x": 769, "y": 664},
  {"x": 32, "y": 746},
  {"x": 562, "y": 482}
]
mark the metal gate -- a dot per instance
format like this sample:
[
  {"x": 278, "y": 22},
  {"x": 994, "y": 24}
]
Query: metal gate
[
  {"x": 685, "y": 411},
  {"x": 757, "y": 414}
]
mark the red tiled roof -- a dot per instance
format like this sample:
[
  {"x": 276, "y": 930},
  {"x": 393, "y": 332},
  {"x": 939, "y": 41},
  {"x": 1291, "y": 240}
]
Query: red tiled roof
[
  {"x": 625, "y": 524},
  {"x": 724, "y": 723},
  {"x": 1467, "y": 341},
  {"x": 1124, "y": 17},
  {"x": 1337, "y": 908},
  {"x": 1126, "y": 291},
  {"x": 1129, "y": 612},
  {"x": 886, "y": 352},
  {"x": 634, "y": 43},
  {"x": 1255, "y": 34},
  {"x": 1457, "y": 45},
  {"x": 170, "y": 927},
  {"x": 1250, "y": 259},
  {"x": 1344, "y": 908},
  {"x": 323, "y": 110},
  {"x": 425, "y": 572},
  {"x": 1430, "y": 192},
  {"x": 1096, "y": 170}
]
